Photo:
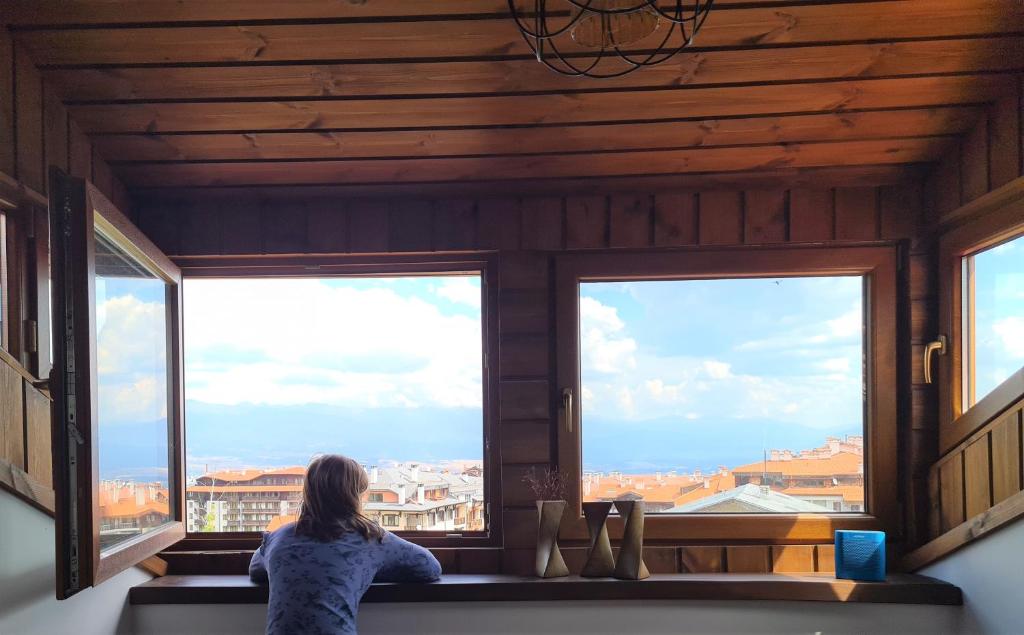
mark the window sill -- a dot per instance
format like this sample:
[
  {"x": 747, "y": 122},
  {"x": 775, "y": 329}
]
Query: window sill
[{"x": 898, "y": 589}]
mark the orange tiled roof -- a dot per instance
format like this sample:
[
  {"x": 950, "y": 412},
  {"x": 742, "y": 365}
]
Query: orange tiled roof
[
  {"x": 220, "y": 489},
  {"x": 129, "y": 508},
  {"x": 248, "y": 475},
  {"x": 841, "y": 463},
  {"x": 850, "y": 493}
]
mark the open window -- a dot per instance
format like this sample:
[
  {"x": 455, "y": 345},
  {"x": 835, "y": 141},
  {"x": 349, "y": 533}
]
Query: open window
[
  {"x": 116, "y": 386},
  {"x": 751, "y": 398},
  {"x": 981, "y": 296}
]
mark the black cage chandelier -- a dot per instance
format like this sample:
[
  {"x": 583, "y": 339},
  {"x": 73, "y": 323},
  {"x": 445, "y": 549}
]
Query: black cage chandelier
[{"x": 607, "y": 38}]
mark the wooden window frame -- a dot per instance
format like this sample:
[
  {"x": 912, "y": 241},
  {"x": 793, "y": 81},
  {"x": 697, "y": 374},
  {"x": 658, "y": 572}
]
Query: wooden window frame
[
  {"x": 378, "y": 266},
  {"x": 978, "y": 234},
  {"x": 879, "y": 267},
  {"x": 80, "y": 561}
]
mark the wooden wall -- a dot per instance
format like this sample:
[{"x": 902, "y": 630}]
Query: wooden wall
[
  {"x": 26, "y": 468},
  {"x": 527, "y": 233},
  {"x": 36, "y": 132},
  {"x": 987, "y": 157}
]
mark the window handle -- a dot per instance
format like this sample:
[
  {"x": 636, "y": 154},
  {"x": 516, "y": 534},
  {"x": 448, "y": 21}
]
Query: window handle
[
  {"x": 567, "y": 408},
  {"x": 938, "y": 346}
]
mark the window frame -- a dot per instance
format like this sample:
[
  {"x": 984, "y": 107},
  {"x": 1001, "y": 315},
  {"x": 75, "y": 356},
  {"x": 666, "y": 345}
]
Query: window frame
[
  {"x": 969, "y": 238},
  {"x": 325, "y": 266},
  {"x": 879, "y": 267},
  {"x": 80, "y": 560}
]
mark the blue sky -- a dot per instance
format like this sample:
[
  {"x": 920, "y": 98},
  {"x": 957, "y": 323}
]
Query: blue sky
[
  {"x": 740, "y": 356},
  {"x": 689, "y": 363},
  {"x": 999, "y": 298}
]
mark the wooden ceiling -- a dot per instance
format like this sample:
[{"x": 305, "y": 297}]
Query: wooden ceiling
[{"x": 371, "y": 93}]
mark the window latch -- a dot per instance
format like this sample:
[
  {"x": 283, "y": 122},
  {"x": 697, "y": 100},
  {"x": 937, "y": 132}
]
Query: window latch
[
  {"x": 567, "y": 408},
  {"x": 938, "y": 346}
]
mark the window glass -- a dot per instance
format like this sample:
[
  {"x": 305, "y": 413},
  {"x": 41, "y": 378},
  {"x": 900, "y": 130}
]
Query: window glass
[
  {"x": 386, "y": 370},
  {"x": 724, "y": 396},
  {"x": 132, "y": 401},
  {"x": 998, "y": 315},
  {"x": 3, "y": 280}
]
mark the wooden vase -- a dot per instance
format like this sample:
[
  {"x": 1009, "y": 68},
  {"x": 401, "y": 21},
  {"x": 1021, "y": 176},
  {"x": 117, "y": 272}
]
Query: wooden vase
[
  {"x": 600, "y": 561},
  {"x": 630, "y": 565},
  {"x": 549, "y": 563}
]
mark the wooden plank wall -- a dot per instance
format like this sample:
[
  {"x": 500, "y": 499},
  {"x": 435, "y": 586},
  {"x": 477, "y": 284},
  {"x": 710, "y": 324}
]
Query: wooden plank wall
[
  {"x": 36, "y": 132},
  {"x": 527, "y": 234},
  {"x": 978, "y": 474},
  {"x": 26, "y": 467},
  {"x": 989, "y": 156}
]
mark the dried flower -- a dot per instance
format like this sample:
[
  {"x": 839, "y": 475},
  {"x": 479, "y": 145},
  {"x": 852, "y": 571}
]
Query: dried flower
[{"x": 546, "y": 484}]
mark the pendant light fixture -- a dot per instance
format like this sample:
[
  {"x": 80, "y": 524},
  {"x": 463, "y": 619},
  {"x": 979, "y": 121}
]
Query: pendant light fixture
[{"x": 607, "y": 38}]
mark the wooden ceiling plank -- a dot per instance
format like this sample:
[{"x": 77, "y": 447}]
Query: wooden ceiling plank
[
  {"x": 707, "y": 133},
  {"x": 540, "y": 110},
  {"x": 33, "y": 13},
  {"x": 445, "y": 78},
  {"x": 863, "y": 175},
  {"x": 556, "y": 166},
  {"x": 433, "y": 39}
]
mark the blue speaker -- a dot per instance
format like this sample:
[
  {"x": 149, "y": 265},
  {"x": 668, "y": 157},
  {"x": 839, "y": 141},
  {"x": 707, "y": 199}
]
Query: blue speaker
[{"x": 860, "y": 555}]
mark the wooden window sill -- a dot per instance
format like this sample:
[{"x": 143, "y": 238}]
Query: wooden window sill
[{"x": 898, "y": 589}]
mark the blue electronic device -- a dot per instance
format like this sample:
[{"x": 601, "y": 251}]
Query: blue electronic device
[{"x": 860, "y": 555}]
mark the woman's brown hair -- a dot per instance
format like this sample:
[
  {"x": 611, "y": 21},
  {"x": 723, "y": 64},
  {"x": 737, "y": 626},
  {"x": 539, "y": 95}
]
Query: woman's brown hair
[{"x": 332, "y": 500}]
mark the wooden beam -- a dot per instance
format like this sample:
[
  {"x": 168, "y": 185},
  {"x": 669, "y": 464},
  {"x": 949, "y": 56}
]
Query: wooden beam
[
  {"x": 497, "y": 37},
  {"x": 554, "y": 166},
  {"x": 890, "y": 59},
  {"x": 487, "y": 141},
  {"x": 539, "y": 110},
  {"x": 778, "y": 177},
  {"x": 31, "y": 13}
]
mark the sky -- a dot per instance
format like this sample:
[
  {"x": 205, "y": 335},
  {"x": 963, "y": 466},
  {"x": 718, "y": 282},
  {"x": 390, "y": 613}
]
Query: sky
[
  {"x": 999, "y": 297},
  {"x": 675, "y": 373},
  {"x": 714, "y": 362}
]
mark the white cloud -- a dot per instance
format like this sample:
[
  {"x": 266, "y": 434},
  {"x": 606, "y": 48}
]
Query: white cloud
[
  {"x": 848, "y": 324},
  {"x": 131, "y": 359},
  {"x": 1011, "y": 333},
  {"x": 298, "y": 341},
  {"x": 604, "y": 348},
  {"x": 836, "y": 364},
  {"x": 716, "y": 369},
  {"x": 461, "y": 290}
]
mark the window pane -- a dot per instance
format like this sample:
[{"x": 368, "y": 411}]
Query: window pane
[
  {"x": 998, "y": 315},
  {"x": 132, "y": 375},
  {"x": 387, "y": 371},
  {"x": 724, "y": 396}
]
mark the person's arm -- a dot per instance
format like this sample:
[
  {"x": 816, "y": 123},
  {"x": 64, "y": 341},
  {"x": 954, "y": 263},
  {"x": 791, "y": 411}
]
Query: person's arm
[
  {"x": 402, "y": 561},
  {"x": 258, "y": 565}
]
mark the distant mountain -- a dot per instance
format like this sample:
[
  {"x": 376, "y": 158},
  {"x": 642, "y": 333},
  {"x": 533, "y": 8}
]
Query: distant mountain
[
  {"x": 248, "y": 435},
  {"x": 672, "y": 443}
]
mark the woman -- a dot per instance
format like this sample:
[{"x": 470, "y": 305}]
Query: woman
[{"x": 320, "y": 566}]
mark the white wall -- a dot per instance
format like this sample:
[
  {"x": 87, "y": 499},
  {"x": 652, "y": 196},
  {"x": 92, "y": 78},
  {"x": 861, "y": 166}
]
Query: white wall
[
  {"x": 991, "y": 574},
  {"x": 590, "y": 618},
  {"x": 28, "y": 603}
]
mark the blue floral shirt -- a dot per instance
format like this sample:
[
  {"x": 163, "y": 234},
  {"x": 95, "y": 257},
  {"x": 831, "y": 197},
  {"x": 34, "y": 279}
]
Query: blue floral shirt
[{"x": 315, "y": 587}]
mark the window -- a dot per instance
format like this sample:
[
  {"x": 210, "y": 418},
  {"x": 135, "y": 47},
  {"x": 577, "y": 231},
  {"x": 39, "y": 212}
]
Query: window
[
  {"x": 710, "y": 385},
  {"x": 981, "y": 316},
  {"x": 390, "y": 520},
  {"x": 739, "y": 395},
  {"x": 116, "y": 396},
  {"x": 387, "y": 369},
  {"x": 4, "y": 284},
  {"x": 993, "y": 318}
]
